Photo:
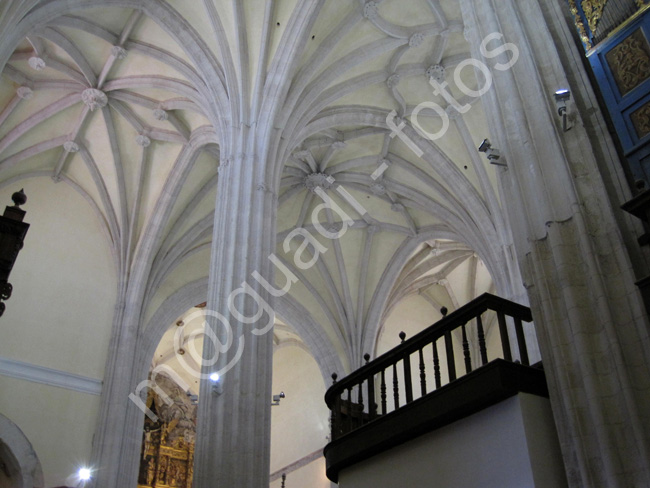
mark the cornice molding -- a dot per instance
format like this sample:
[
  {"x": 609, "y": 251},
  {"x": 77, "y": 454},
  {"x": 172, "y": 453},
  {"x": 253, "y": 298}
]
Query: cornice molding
[{"x": 48, "y": 376}]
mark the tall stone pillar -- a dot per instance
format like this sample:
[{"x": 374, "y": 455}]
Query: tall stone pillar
[
  {"x": 233, "y": 427},
  {"x": 590, "y": 321}
]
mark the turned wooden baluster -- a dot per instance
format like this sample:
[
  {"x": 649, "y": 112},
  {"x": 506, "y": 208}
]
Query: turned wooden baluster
[
  {"x": 505, "y": 341},
  {"x": 395, "y": 386},
  {"x": 436, "y": 365},
  {"x": 449, "y": 349},
  {"x": 451, "y": 362},
  {"x": 349, "y": 417},
  {"x": 521, "y": 342},
  {"x": 360, "y": 421},
  {"x": 372, "y": 406},
  {"x": 481, "y": 340},
  {"x": 466, "y": 355},
  {"x": 408, "y": 384},
  {"x": 383, "y": 392},
  {"x": 423, "y": 378}
]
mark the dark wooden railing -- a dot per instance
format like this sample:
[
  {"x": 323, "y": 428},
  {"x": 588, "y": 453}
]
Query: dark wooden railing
[{"x": 365, "y": 394}]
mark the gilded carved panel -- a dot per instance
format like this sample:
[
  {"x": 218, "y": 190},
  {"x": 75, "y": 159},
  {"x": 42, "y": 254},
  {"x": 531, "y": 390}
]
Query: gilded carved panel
[
  {"x": 168, "y": 443},
  {"x": 629, "y": 61},
  {"x": 584, "y": 36},
  {"x": 641, "y": 120},
  {"x": 593, "y": 10}
]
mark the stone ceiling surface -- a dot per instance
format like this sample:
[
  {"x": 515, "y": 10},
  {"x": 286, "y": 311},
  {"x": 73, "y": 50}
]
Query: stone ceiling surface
[{"x": 111, "y": 100}]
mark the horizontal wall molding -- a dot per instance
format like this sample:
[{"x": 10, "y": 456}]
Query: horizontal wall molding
[
  {"x": 48, "y": 376},
  {"x": 297, "y": 465}
]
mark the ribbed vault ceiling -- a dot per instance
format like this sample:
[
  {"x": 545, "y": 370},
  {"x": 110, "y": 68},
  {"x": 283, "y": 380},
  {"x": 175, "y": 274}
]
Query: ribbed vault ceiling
[{"x": 111, "y": 101}]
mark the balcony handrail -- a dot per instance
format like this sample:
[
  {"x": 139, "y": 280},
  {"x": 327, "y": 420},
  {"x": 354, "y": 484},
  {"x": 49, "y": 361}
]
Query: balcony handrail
[{"x": 443, "y": 328}]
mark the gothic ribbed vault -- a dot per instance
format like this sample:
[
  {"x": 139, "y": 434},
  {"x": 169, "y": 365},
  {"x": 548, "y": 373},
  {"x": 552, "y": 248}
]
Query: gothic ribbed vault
[{"x": 113, "y": 103}]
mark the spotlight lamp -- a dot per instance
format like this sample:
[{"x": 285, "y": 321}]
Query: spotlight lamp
[
  {"x": 217, "y": 386},
  {"x": 492, "y": 153},
  {"x": 277, "y": 398},
  {"x": 84, "y": 475},
  {"x": 194, "y": 399},
  {"x": 561, "y": 97}
]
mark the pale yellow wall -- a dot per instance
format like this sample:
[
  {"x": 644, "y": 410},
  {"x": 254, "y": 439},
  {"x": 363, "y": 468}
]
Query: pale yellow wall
[
  {"x": 310, "y": 476},
  {"x": 59, "y": 423},
  {"x": 59, "y": 317},
  {"x": 300, "y": 424},
  {"x": 61, "y": 310},
  {"x": 190, "y": 269},
  {"x": 491, "y": 449},
  {"x": 412, "y": 315}
]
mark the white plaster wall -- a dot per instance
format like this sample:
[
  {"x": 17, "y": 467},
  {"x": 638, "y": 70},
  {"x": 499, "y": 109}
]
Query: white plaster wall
[
  {"x": 312, "y": 476},
  {"x": 543, "y": 443},
  {"x": 61, "y": 310},
  {"x": 300, "y": 424},
  {"x": 59, "y": 317},
  {"x": 190, "y": 269},
  {"x": 489, "y": 449},
  {"x": 59, "y": 424}
]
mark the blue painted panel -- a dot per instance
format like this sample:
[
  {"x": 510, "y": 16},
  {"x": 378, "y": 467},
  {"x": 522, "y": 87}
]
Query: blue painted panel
[{"x": 622, "y": 105}]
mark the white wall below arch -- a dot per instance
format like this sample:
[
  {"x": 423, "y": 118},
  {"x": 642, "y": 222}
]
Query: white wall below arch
[
  {"x": 64, "y": 284},
  {"x": 300, "y": 424},
  {"x": 16, "y": 450},
  {"x": 58, "y": 321}
]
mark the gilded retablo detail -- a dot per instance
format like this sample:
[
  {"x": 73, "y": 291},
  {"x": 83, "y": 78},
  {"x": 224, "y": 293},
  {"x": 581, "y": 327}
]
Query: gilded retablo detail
[
  {"x": 641, "y": 120},
  {"x": 593, "y": 10},
  {"x": 167, "y": 454},
  {"x": 630, "y": 61}
]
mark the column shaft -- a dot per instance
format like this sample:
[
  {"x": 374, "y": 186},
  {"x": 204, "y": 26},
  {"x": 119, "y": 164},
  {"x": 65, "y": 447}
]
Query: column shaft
[
  {"x": 589, "y": 318},
  {"x": 233, "y": 429}
]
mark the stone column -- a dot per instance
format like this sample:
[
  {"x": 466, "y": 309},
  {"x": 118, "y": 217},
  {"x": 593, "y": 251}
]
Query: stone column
[
  {"x": 234, "y": 426},
  {"x": 590, "y": 321}
]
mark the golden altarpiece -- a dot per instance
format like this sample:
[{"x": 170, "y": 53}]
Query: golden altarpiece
[{"x": 167, "y": 454}]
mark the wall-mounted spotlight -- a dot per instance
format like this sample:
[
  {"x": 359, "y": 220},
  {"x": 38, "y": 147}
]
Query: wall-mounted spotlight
[
  {"x": 217, "y": 387},
  {"x": 492, "y": 153},
  {"x": 194, "y": 399},
  {"x": 561, "y": 97},
  {"x": 277, "y": 398}
]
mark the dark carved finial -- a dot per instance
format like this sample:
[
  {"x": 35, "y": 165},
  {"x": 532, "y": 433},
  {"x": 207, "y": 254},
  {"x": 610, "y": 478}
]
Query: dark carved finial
[
  {"x": 444, "y": 311},
  {"x": 366, "y": 356},
  {"x": 19, "y": 198},
  {"x": 284, "y": 477},
  {"x": 334, "y": 376},
  {"x": 402, "y": 335}
]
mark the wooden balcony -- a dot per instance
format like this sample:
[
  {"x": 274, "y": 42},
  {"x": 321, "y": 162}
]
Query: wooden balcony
[{"x": 427, "y": 389}]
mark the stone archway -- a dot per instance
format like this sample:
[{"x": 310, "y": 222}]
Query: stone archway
[{"x": 19, "y": 464}]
